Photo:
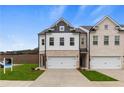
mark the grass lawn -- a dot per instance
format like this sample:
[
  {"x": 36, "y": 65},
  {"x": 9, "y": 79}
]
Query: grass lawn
[
  {"x": 96, "y": 76},
  {"x": 21, "y": 72}
]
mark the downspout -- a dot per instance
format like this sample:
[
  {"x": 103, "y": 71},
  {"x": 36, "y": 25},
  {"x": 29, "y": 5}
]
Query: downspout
[
  {"x": 79, "y": 50},
  {"x": 89, "y": 49},
  {"x": 86, "y": 41},
  {"x": 38, "y": 51},
  {"x": 45, "y": 51},
  {"x": 86, "y": 50}
]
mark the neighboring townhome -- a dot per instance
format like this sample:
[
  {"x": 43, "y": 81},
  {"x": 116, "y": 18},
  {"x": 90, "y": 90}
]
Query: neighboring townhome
[
  {"x": 63, "y": 46},
  {"x": 106, "y": 44}
]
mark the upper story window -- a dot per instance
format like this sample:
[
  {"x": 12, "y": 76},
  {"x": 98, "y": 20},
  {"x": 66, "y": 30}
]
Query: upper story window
[
  {"x": 117, "y": 40},
  {"x": 106, "y": 40},
  {"x": 51, "y": 41},
  {"x": 71, "y": 41},
  {"x": 106, "y": 27},
  {"x": 61, "y": 28},
  {"x": 43, "y": 42},
  {"x": 61, "y": 41},
  {"x": 95, "y": 40},
  {"x": 82, "y": 41}
]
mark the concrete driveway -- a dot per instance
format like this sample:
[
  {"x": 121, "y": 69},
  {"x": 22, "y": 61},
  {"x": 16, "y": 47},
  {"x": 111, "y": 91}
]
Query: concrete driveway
[
  {"x": 61, "y": 78},
  {"x": 73, "y": 78}
]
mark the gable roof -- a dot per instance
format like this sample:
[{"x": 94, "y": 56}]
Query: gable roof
[
  {"x": 62, "y": 19},
  {"x": 104, "y": 19},
  {"x": 90, "y": 27},
  {"x": 85, "y": 27}
]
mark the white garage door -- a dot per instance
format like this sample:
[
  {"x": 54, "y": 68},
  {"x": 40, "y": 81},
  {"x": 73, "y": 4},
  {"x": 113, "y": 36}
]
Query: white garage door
[
  {"x": 61, "y": 62},
  {"x": 105, "y": 63}
]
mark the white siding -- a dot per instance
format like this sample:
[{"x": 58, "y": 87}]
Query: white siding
[
  {"x": 66, "y": 41},
  {"x": 85, "y": 42},
  {"x": 41, "y": 47}
]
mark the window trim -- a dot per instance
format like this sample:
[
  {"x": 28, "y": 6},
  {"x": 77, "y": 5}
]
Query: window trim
[
  {"x": 63, "y": 28},
  {"x": 95, "y": 42},
  {"x": 72, "y": 43},
  {"x": 117, "y": 40},
  {"x": 106, "y": 27},
  {"x": 51, "y": 43},
  {"x": 82, "y": 41},
  {"x": 43, "y": 41},
  {"x": 106, "y": 40},
  {"x": 61, "y": 41}
]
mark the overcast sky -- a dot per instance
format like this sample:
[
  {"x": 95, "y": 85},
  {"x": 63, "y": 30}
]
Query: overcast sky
[{"x": 19, "y": 25}]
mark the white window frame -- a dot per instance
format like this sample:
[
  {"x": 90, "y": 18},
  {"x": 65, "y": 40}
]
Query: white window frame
[
  {"x": 117, "y": 40},
  {"x": 72, "y": 42},
  {"x": 106, "y": 40},
  {"x": 61, "y": 41},
  {"x": 95, "y": 40},
  {"x": 51, "y": 42},
  {"x": 61, "y": 28}
]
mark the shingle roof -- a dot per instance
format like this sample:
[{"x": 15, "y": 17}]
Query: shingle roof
[
  {"x": 43, "y": 32},
  {"x": 80, "y": 30},
  {"x": 47, "y": 30},
  {"x": 122, "y": 25},
  {"x": 87, "y": 27}
]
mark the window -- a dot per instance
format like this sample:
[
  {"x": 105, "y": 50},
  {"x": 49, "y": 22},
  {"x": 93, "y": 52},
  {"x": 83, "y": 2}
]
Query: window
[
  {"x": 71, "y": 41},
  {"x": 106, "y": 27},
  {"x": 61, "y": 28},
  {"x": 95, "y": 40},
  {"x": 61, "y": 41},
  {"x": 82, "y": 41},
  {"x": 43, "y": 42},
  {"x": 51, "y": 41},
  {"x": 117, "y": 40},
  {"x": 106, "y": 40}
]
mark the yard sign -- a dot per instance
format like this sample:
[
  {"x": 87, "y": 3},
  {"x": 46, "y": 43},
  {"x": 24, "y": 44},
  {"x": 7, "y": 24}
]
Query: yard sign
[{"x": 7, "y": 63}]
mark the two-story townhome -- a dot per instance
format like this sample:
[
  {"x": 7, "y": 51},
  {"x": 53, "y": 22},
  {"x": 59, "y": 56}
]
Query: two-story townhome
[
  {"x": 106, "y": 44},
  {"x": 101, "y": 46},
  {"x": 63, "y": 46}
]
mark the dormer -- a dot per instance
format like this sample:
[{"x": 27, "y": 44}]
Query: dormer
[{"x": 62, "y": 25}]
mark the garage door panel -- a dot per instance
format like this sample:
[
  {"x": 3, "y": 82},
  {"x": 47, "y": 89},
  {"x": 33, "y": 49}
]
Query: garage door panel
[
  {"x": 61, "y": 62},
  {"x": 105, "y": 63}
]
